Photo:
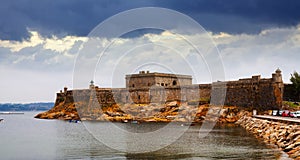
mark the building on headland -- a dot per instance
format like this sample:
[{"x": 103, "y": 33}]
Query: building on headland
[
  {"x": 147, "y": 79},
  {"x": 151, "y": 87}
]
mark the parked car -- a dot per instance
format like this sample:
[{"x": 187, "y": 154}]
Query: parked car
[
  {"x": 284, "y": 113},
  {"x": 287, "y": 114},
  {"x": 280, "y": 112},
  {"x": 296, "y": 114},
  {"x": 291, "y": 114},
  {"x": 275, "y": 112}
]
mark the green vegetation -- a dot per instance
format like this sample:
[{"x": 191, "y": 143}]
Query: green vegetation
[
  {"x": 291, "y": 104},
  {"x": 295, "y": 79}
]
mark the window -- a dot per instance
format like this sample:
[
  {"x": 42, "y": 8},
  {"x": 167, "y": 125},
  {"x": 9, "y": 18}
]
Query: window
[
  {"x": 162, "y": 84},
  {"x": 174, "y": 83},
  {"x": 133, "y": 85},
  {"x": 139, "y": 97}
]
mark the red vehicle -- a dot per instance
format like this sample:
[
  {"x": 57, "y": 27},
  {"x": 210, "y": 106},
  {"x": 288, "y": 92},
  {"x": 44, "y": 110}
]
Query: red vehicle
[
  {"x": 287, "y": 114},
  {"x": 284, "y": 114}
]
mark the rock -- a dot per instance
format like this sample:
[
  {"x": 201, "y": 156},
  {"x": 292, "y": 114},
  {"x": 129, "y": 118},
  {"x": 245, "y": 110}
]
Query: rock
[
  {"x": 172, "y": 104},
  {"x": 285, "y": 136},
  {"x": 295, "y": 153},
  {"x": 289, "y": 148}
]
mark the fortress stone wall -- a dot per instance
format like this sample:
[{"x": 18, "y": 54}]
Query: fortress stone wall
[
  {"x": 146, "y": 87},
  {"x": 256, "y": 92}
]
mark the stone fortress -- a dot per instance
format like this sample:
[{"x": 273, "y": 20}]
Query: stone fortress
[
  {"x": 161, "y": 97},
  {"x": 151, "y": 87}
]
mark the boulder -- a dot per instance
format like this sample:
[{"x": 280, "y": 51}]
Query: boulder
[{"x": 172, "y": 104}]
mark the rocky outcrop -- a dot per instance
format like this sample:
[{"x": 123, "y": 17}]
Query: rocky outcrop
[
  {"x": 174, "y": 111},
  {"x": 285, "y": 136},
  {"x": 60, "y": 111}
]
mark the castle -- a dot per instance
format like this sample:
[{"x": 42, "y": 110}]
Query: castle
[{"x": 147, "y": 87}]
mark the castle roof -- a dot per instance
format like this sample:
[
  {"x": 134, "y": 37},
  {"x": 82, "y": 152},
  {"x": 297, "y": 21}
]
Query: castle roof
[
  {"x": 155, "y": 74},
  {"x": 278, "y": 70}
]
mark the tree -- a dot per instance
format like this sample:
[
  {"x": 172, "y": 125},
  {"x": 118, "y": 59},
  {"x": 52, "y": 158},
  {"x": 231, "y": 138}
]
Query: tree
[{"x": 295, "y": 79}]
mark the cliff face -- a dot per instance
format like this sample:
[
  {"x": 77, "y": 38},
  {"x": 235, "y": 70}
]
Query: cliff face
[{"x": 60, "y": 111}]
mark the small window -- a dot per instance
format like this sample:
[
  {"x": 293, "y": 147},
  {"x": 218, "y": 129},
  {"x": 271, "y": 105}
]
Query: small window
[
  {"x": 162, "y": 84},
  {"x": 126, "y": 98},
  {"x": 174, "y": 83},
  {"x": 133, "y": 85},
  {"x": 139, "y": 97}
]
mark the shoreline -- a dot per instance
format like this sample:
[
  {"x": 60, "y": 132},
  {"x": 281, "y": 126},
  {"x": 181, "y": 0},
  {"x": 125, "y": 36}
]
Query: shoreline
[
  {"x": 285, "y": 137},
  {"x": 169, "y": 112},
  {"x": 239, "y": 117}
]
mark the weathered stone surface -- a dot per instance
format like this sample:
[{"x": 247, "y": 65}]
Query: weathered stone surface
[
  {"x": 147, "y": 88},
  {"x": 171, "y": 111},
  {"x": 285, "y": 136}
]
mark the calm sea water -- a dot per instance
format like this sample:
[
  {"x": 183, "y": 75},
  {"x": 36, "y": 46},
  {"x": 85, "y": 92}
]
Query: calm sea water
[{"x": 23, "y": 137}]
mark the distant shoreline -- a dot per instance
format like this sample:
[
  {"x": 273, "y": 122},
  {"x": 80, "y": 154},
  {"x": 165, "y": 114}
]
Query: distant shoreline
[
  {"x": 17, "y": 107},
  {"x": 11, "y": 112}
]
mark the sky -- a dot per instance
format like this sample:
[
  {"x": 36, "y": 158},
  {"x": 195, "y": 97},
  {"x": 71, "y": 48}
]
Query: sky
[{"x": 40, "y": 42}]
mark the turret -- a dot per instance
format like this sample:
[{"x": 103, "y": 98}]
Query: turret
[
  {"x": 277, "y": 77},
  {"x": 65, "y": 90},
  {"x": 92, "y": 86}
]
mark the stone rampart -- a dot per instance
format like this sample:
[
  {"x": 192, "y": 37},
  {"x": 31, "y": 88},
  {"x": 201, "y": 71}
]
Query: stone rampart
[
  {"x": 251, "y": 92},
  {"x": 254, "y": 92}
]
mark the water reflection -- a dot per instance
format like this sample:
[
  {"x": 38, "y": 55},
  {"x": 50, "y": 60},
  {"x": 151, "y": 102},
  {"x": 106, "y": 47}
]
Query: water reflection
[
  {"x": 224, "y": 142},
  {"x": 23, "y": 137}
]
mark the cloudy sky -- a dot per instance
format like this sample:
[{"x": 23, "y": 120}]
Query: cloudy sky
[{"x": 40, "y": 42}]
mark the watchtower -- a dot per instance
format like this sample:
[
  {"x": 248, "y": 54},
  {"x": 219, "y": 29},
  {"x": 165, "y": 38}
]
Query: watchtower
[
  {"x": 277, "y": 77},
  {"x": 92, "y": 86}
]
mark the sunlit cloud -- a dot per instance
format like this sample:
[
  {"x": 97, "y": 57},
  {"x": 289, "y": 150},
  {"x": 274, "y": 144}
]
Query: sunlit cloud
[
  {"x": 15, "y": 46},
  {"x": 64, "y": 44}
]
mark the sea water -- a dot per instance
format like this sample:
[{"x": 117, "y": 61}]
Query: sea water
[{"x": 24, "y": 137}]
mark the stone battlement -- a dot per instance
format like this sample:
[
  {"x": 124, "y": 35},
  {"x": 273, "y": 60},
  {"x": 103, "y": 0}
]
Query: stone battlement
[
  {"x": 146, "y": 87},
  {"x": 156, "y": 74}
]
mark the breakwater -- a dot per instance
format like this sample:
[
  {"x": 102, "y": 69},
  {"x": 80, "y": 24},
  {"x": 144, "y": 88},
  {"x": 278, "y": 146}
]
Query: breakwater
[{"x": 284, "y": 135}]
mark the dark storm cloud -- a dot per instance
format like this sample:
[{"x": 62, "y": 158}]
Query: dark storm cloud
[
  {"x": 75, "y": 17},
  {"x": 79, "y": 17},
  {"x": 241, "y": 16}
]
